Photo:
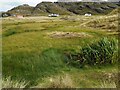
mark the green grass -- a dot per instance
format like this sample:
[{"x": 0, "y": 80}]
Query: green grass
[
  {"x": 102, "y": 52},
  {"x": 30, "y": 54},
  {"x": 32, "y": 66}
]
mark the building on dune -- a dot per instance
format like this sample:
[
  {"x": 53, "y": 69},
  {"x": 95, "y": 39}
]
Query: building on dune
[
  {"x": 88, "y": 14},
  {"x": 53, "y": 15}
]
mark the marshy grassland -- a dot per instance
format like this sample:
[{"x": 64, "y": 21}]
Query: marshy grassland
[{"x": 45, "y": 52}]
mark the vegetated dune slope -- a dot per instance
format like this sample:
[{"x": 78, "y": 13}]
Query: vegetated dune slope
[{"x": 109, "y": 23}]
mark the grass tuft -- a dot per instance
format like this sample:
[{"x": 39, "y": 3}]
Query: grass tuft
[
  {"x": 107, "y": 85},
  {"x": 102, "y": 52},
  {"x": 9, "y": 83},
  {"x": 59, "y": 81}
]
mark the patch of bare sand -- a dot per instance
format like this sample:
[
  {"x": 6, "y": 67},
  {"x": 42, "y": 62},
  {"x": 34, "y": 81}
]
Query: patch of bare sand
[{"x": 58, "y": 34}]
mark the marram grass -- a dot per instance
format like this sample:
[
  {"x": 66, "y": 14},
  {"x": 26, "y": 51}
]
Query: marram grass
[{"x": 9, "y": 83}]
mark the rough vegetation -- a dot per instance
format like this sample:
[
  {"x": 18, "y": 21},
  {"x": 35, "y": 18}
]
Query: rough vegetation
[
  {"x": 109, "y": 23},
  {"x": 9, "y": 83},
  {"x": 31, "y": 55},
  {"x": 100, "y": 53},
  {"x": 115, "y": 11}
]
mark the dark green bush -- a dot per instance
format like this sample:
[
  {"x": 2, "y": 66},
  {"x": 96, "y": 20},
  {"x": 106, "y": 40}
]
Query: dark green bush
[{"x": 102, "y": 52}]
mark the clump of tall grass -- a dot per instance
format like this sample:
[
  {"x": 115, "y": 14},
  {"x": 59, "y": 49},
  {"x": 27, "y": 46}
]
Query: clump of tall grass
[
  {"x": 30, "y": 66},
  {"x": 60, "y": 81},
  {"x": 102, "y": 52},
  {"x": 9, "y": 83},
  {"x": 107, "y": 85}
]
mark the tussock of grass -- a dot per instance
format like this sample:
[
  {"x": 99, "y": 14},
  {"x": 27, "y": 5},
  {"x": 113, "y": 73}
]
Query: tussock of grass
[
  {"x": 9, "y": 83},
  {"x": 107, "y": 85},
  {"x": 60, "y": 81},
  {"x": 103, "y": 52}
]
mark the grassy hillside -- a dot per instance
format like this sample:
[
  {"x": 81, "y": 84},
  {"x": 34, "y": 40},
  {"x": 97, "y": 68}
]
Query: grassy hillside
[
  {"x": 49, "y": 7},
  {"x": 89, "y": 7},
  {"x": 109, "y": 23},
  {"x": 24, "y": 9},
  {"x": 35, "y": 51}
]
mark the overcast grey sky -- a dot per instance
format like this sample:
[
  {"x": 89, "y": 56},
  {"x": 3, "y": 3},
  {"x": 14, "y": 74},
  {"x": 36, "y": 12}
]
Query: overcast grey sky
[{"x": 8, "y": 4}]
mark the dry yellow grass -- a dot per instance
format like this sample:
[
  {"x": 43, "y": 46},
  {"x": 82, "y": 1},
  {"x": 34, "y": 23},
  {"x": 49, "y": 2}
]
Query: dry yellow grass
[
  {"x": 60, "y": 81},
  {"x": 9, "y": 83}
]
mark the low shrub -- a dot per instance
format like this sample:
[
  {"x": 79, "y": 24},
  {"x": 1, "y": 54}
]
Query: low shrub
[{"x": 102, "y": 52}]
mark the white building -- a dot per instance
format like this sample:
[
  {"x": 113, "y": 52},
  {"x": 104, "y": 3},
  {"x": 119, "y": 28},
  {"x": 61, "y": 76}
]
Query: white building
[
  {"x": 53, "y": 15},
  {"x": 87, "y": 14}
]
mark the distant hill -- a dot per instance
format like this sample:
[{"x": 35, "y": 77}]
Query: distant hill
[
  {"x": 24, "y": 9},
  {"x": 89, "y": 7},
  {"x": 49, "y": 7},
  {"x": 65, "y": 8}
]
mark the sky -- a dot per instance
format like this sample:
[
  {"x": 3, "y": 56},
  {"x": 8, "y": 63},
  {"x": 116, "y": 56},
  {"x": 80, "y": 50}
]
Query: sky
[{"x": 9, "y": 4}]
